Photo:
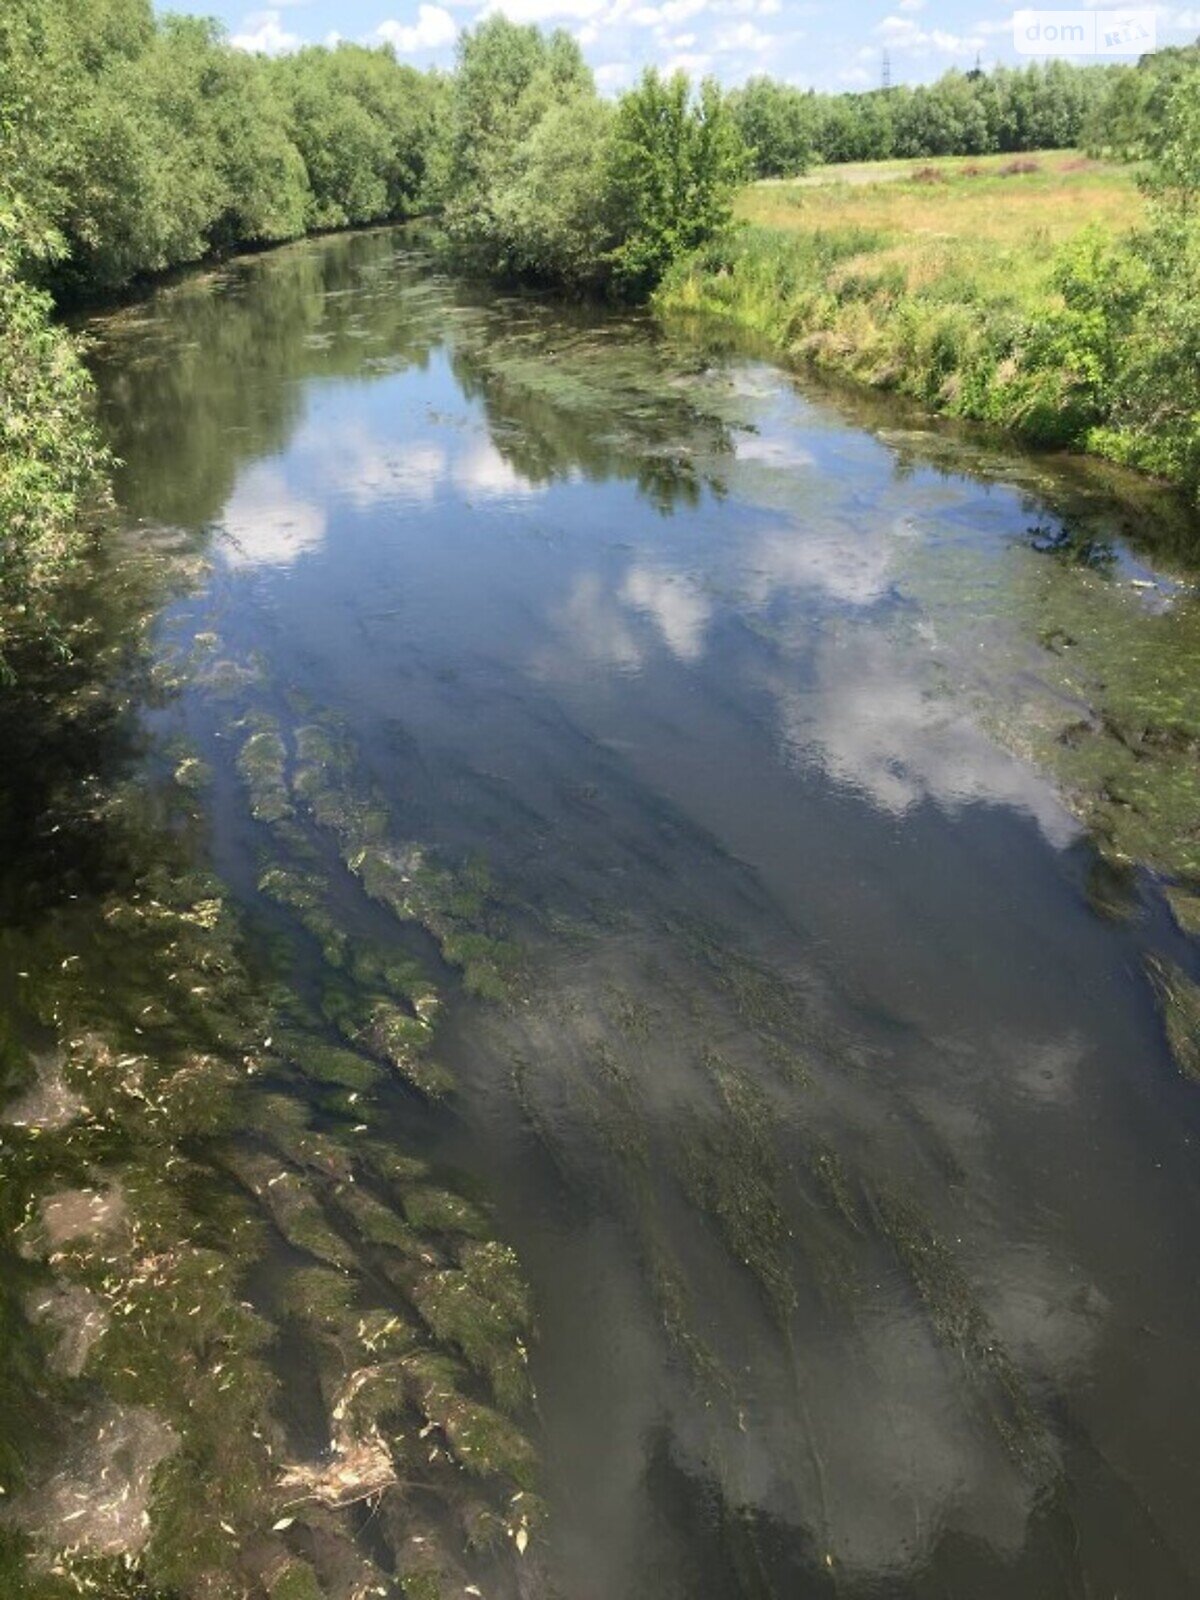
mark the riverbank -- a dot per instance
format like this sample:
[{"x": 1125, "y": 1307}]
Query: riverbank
[{"x": 1001, "y": 290}]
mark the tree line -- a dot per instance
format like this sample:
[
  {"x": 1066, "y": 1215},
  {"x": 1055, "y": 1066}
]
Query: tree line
[
  {"x": 1042, "y": 106},
  {"x": 1111, "y": 109},
  {"x": 140, "y": 143}
]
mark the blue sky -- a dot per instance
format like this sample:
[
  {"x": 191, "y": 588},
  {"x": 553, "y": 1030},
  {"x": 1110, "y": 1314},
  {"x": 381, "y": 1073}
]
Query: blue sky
[{"x": 829, "y": 44}]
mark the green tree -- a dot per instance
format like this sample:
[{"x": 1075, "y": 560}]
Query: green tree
[
  {"x": 508, "y": 77},
  {"x": 675, "y": 161},
  {"x": 264, "y": 188},
  {"x": 509, "y": 80},
  {"x": 552, "y": 214},
  {"x": 50, "y": 457},
  {"x": 778, "y": 126},
  {"x": 1127, "y": 120},
  {"x": 1173, "y": 177},
  {"x": 345, "y": 149}
]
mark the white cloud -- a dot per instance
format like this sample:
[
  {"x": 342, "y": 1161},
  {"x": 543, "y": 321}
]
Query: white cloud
[
  {"x": 545, "y": 10},
  {"x": 667, "y": 15},
  {"x": 912, "y": 5},
  {"x": 694, "y": 63},
  {"x": 433, "y": 28},
  {"x": 675, "y": 604},
  {"x": 897, "y": 29},
  {"x": 745, "y": 37},
  {"x": 266, "y": 525},
  {"x": 264, "y": 34},
  {"x": 614, "y": 75},
  {"x": 955, "y": 44},
  {"x": 680, "y": 10},
  {"x": 902, "y": 33}
]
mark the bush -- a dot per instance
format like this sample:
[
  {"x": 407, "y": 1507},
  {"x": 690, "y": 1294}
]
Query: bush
[
  {"x": 674, "y": 164},
  {"x": 50, "y": 457}
]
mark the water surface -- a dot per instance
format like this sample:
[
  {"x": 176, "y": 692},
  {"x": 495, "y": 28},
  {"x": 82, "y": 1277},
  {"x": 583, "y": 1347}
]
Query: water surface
[{"x": 782, "y": 799}]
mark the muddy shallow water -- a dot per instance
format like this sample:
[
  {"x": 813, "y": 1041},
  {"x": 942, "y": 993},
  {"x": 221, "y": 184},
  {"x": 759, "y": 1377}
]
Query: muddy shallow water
[{"x": 621, "y": 928}]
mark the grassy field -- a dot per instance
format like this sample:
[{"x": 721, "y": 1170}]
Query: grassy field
[
  {"x": 940, "y": 279},
  {"x": 1013, "y": 201}
]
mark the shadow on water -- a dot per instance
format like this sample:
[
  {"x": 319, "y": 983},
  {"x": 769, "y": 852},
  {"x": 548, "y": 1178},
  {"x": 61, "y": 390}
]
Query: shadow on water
[{"x": 599, "y": 956}]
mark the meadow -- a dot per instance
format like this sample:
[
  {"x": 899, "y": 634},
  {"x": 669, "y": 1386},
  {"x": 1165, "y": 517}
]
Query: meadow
[{"x": 1015, "y": 201}]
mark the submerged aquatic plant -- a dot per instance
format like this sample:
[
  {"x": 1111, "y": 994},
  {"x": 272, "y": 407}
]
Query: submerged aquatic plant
[
  {"x": 730, "y": 1168},
  {"x": 164, "y": 1164}
]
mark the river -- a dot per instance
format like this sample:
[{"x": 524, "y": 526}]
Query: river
[{"x": 597, "y": 980}]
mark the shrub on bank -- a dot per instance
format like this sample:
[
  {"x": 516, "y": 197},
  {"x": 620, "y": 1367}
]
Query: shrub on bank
[{"x": 50, "y": 456}]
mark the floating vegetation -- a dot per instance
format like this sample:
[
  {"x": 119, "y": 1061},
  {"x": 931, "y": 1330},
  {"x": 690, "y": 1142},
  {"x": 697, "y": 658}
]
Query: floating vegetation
[
  {"x": 292, "y": 1206},
  {"x": 325, "y": 769},
  {"x": 834, "y": 1183},
  {"x": 484, "y": 1441},
  {"x": 482, "y": 1308},
  {"x": 1121, "y": 745},
  {"x": 455, "y": 909},
  {"x": 1179, "y": 1002},
  {"x": 193, "y": 773},
  {"x": 559, "y": 398},
  {"x": 307, "y": 903},
  {"x": 328, "y": 1063},
  {"x": 439, "y": 1211}
]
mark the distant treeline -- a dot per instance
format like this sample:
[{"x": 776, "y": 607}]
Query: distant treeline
[
  {"x": 1038, "y": 107},
  {"x": 1052, "y": 105}
]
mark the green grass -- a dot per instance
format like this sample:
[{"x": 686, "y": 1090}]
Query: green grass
[{"x": 1013, "y": 201}]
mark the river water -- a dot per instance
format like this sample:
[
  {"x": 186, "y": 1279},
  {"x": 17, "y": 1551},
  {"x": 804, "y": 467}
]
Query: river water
[{"x": 740, "y": 842}]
